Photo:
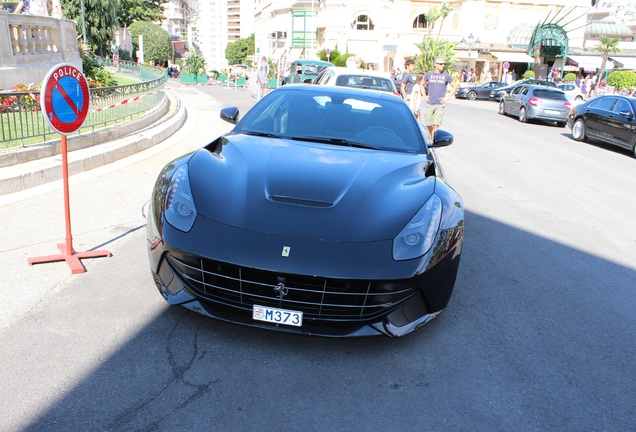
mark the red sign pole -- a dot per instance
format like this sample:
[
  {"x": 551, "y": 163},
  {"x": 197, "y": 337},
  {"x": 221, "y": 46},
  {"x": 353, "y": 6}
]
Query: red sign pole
[{"x": 54, "y": 93}]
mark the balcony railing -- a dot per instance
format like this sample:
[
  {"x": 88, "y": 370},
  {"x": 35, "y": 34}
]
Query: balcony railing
[{"x": 30, "y": 45}]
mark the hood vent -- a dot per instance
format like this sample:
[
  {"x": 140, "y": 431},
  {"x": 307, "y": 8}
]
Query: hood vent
[{"x": 300, "y": 201}]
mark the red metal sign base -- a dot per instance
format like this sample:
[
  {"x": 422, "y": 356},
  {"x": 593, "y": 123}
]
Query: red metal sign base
[{"x": 72, "y": 258}]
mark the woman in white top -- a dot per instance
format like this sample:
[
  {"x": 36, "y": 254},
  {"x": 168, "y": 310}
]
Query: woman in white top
[{"x": 416, "y": 95}]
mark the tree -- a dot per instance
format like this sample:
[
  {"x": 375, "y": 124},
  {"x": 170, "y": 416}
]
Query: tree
[
  {"x": 444, "y": 12},
  {"x": 569, "y": 77},
  {"x": 157, "y": 44},
  {"x": 622, "y": 80},
  {"x": 431, "y": 48},
  {"x": 606, "y": 46},
  {"x": 195, "y": 63},
  {"x": 432, "y": 15},
  {"x": 139, "y": 10},
  {"x": 334, "y": 57},
  {"x": 101, "y": 21},
  {"x": 236, "y": 52}
]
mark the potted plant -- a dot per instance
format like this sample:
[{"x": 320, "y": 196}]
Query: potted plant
[{"x": 194, "y": 72}]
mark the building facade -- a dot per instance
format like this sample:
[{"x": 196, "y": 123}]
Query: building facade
[
  {"x": 490, "y": 34},
  {"x": 220, "y": 22}
]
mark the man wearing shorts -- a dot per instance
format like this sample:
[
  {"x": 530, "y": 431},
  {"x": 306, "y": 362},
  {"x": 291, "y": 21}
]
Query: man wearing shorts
[{"x": 434, "y": 93}]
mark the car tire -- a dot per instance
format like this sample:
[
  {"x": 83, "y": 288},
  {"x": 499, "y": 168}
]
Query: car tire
[
  {"x": 579, "y": 130},
  {"x": 472, "y": 95},
  {"x": 578, "y": 98},
  {"x": 523, "y": 115},
  {"x": 502, "y": 108}
]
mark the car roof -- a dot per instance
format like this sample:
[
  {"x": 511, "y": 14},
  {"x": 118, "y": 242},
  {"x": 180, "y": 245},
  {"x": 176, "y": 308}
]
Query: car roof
[
  {"x": 311, "y": 88},
  {"x": 340, "y": 70},
  {"x": 316, "y": 62}
]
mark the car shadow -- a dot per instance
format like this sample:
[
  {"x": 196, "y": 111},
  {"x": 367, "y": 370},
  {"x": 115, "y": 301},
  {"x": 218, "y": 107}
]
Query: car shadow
[{"x": 532, "y": 329}]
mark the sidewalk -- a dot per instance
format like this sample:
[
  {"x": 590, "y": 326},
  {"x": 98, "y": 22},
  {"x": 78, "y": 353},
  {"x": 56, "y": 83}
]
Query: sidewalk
[{"x": 107, "y": 203}]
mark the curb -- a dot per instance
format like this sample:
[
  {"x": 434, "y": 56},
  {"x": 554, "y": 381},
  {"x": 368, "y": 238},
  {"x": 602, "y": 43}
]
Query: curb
[{"x": 34, "y": 173}]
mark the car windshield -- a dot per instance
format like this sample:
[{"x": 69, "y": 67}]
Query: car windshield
[
  {"x": 312, "y": 69},
  {"x": 355, "y": 118}
]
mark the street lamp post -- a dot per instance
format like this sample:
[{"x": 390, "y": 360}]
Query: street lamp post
[{"x": 471, "y": 41}]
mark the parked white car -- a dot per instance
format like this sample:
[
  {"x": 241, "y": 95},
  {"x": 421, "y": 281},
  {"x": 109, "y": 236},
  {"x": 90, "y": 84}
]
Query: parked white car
[
  {"x": 360, "y": 78},
  {"x": 572, "y": 93}
]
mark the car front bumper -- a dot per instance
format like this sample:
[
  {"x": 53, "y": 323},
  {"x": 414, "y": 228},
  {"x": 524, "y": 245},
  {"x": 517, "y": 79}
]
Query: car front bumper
[{"x": 401, "y": 296}]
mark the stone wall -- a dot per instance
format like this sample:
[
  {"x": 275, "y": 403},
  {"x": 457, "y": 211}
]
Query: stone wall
[{"x": 31, "y": 45}]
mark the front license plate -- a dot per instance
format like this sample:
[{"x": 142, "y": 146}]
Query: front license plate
[{"x": 278, "y": 316}]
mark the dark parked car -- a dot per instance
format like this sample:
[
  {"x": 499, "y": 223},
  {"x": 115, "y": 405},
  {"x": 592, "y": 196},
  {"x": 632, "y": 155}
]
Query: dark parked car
[
  {"x": 532, "y": 102},
  {"x": 497, "y": 94},
  {"x": 323, "y": 211},
  {"x": 481, "y": 91},
  {"x": 607, "y": 118}
]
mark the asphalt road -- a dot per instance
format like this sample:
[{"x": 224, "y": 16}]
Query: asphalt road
[{"x": 538, "y": 336}]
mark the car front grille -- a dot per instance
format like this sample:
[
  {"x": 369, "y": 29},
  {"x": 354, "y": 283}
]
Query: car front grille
[{"x": 318, "y": 298}]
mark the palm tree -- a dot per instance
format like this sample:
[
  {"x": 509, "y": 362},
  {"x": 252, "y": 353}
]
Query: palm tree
[
  {"x": 606, "y": 46},
  {"x": 446, "y": 9},
  {"x": 433, "y": 15}
]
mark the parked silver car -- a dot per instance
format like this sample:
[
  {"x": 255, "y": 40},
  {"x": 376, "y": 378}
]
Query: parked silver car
[{"x": 530, "y": 102}]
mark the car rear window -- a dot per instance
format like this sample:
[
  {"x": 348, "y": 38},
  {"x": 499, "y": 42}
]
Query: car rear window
[
  {"x": 547, "y": 94},
  {"x": 363, "y": 81}
]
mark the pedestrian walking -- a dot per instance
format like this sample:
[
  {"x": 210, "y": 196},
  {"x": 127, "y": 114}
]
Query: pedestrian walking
[
  {"x": 263, "y": 73},
  {"x": 435, "y": 86},
  {"x": 408, "y": 80}
]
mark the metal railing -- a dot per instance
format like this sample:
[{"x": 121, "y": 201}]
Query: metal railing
[{"x": 22, "y": 123}]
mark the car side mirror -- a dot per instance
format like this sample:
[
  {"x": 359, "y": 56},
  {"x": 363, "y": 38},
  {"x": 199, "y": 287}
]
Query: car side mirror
[
  {"x": 441, "y": 138},
  {"x": 230, "y": 114}
]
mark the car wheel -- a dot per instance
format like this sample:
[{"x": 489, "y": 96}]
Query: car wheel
[
  {"x": 502, "y": 108},
  {"x": 472, "y": 95},
  {"x": 523, "y": 116},
  {"x": 578, "y": 130},
  {"x": 578, "y": 98}
]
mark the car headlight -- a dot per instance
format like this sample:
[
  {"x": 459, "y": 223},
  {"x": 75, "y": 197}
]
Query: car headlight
[
  {"x": 418, "y": 235},
  {"x": 179, "y": 207}
]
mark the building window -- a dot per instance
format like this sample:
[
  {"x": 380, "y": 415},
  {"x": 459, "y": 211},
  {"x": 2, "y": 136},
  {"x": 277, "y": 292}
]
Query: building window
[
  {"x": 420, "y": 22},
  {"x": 362, "y": 22}
]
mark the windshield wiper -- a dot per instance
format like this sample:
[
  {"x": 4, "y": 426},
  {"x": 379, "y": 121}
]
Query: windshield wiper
[
  {"x": 261, "y": 134},
  {"x": 337, "y": 141}
]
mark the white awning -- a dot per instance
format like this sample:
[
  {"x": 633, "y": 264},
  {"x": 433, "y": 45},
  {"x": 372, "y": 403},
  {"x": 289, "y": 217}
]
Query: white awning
[
  {"x": 626, "y": 62},
  {"x": 590, "y": 63},
  {"x": 514, "y": 57}
]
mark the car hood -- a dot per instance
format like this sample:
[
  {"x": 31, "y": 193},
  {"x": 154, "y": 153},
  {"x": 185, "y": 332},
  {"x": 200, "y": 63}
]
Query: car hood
[{"x": 308, "y": 190}]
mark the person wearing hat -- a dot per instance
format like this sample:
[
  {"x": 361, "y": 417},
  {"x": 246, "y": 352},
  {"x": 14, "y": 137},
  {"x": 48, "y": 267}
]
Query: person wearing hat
[{"x": 434, "y": 86}]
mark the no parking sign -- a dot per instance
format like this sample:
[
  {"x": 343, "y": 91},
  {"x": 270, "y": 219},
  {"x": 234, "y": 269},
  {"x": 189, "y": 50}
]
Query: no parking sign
[{"x": 65, "y": 98}]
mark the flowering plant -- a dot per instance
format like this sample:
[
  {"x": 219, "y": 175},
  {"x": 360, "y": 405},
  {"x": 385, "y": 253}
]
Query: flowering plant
[{"x": 13, "y": 103}]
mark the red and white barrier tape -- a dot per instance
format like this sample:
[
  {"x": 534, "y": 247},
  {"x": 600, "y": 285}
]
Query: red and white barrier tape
[{"x": 124, "y": 102}]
